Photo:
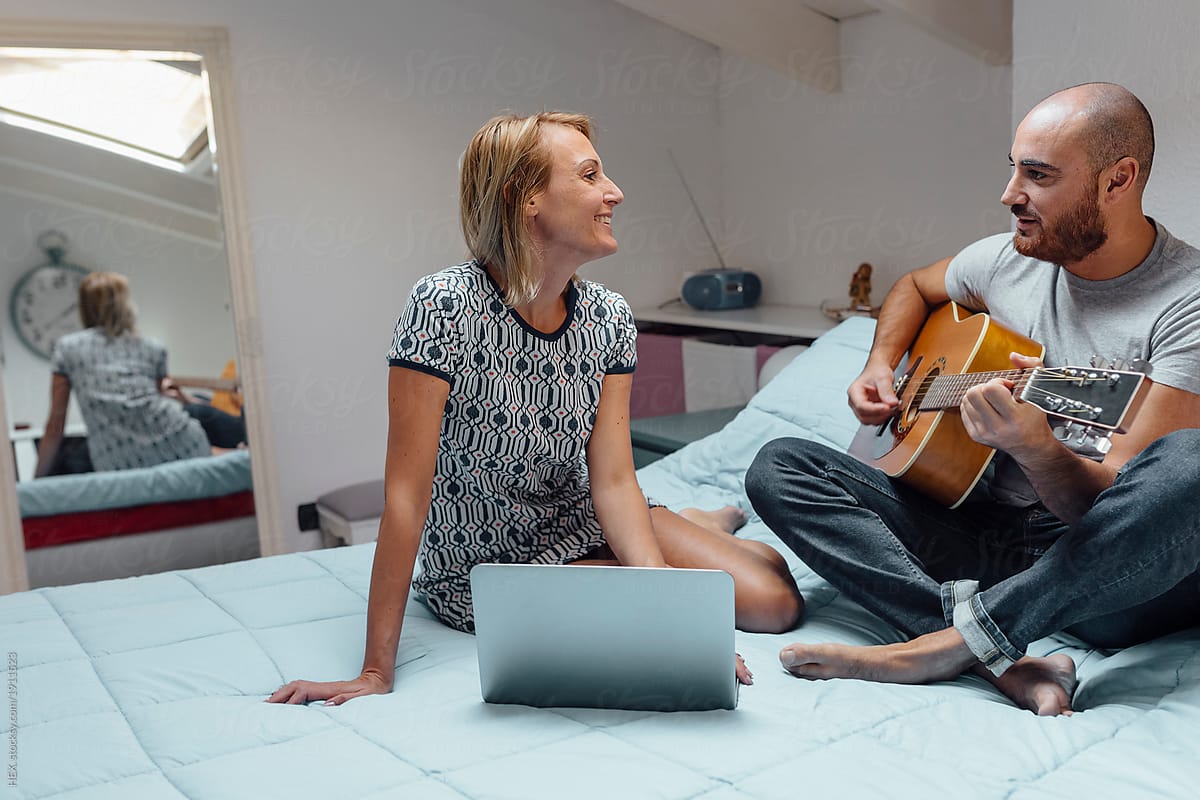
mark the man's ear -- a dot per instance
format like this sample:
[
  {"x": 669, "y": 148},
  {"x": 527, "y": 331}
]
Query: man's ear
[{"x": 1122, "y": 176}]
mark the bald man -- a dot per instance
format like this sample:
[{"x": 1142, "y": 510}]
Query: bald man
[{"x": 1052, "y": 540}]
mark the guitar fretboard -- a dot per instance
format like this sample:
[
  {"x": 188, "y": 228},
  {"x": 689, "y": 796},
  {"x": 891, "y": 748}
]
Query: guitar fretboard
[{"x": 946, "y": 391}]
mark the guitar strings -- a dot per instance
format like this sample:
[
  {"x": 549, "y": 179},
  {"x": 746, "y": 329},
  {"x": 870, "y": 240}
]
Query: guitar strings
[
  {"x": 967, "y": 380},
  {"x": 941, "y": 391}
]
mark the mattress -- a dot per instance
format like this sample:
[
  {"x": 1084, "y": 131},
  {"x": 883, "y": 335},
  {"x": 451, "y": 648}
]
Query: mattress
[
  {"x": 188, "y": 479},
  {"x": 154, "y": 686},
  {"x": 94, "y": 505}
]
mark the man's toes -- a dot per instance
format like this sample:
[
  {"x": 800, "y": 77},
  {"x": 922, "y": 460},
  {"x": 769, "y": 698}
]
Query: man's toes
[{"x": 799, "y": 662}]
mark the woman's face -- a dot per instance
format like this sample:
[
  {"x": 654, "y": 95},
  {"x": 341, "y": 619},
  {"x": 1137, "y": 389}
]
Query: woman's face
[{"x": 571, "y": 219}]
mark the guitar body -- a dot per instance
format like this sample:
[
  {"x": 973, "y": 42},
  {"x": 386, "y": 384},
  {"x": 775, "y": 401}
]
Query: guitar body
[{"x": 930, "y": 450}]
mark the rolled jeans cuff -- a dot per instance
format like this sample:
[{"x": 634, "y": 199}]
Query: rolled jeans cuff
[{"x": 963, "y": 610}]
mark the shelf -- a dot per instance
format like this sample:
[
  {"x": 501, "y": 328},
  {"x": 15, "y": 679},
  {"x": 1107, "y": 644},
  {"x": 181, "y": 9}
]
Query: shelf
[{"x": 801, "y": 322}]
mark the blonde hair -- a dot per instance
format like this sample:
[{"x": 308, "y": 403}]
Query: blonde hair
[
  {"x": 505, "y": 165},
  {"x": 104, "y": 303}
]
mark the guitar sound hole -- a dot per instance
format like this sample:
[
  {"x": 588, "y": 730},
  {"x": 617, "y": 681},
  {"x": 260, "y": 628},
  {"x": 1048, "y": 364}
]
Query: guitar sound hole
[{"x": 910, "y": 402}]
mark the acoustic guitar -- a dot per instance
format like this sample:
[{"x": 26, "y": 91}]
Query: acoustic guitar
[{"x": 925, "y": 445}]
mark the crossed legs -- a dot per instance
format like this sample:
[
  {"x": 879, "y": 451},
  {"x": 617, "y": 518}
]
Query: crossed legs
[{"x": 1131, "y": 561}]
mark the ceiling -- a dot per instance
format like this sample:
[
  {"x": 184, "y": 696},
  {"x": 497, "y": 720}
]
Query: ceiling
[
  {"x": 801, "y": 38},
  {"x": 840, "y": 9}
]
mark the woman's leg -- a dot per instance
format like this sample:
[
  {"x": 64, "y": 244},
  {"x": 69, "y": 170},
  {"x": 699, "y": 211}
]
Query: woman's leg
[
  {"x": 765, "y": 595},
  {"x": 727, "y": 520}
]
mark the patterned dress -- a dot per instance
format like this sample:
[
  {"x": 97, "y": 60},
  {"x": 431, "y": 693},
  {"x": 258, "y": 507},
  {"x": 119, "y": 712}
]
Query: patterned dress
[
  {"x": 116, "y": 381},
  {"x": 511, "y": 482}
]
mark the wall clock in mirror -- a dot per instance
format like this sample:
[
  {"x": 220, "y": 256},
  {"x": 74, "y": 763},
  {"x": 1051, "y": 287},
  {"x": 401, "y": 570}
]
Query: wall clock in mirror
[{"x": 45, "y": 302}]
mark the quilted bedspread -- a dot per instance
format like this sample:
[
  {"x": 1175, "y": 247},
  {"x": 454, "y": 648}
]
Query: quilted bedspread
[
  {"x": 189, "y": 479},
  {"x": 153, "y": 687}
]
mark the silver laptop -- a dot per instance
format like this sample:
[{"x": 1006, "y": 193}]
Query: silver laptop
[{"x": 605, "y": 637}]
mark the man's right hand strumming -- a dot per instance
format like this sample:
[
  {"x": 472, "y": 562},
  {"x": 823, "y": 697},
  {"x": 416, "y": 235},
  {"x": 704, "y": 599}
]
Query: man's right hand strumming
[{"x": 871, "y": 395}]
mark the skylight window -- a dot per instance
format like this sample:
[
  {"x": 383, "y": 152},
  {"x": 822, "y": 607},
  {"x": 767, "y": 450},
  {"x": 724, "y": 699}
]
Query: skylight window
[{"x": 123, "y": 102}]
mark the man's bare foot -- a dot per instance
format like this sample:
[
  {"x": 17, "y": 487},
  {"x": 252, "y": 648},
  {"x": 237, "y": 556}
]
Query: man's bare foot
[
  {"x": 724, "y": 520},
  {"x": 933, "y": 657},
  {"x": 1042, "y": 685}
]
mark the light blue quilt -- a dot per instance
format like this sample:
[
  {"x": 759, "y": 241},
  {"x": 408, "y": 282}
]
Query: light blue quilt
[{"x": 153, "y": 687}]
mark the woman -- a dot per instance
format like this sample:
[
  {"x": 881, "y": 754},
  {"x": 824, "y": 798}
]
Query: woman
[
  {"x": 508, "y": 436},
  {"x": 120, "y": 379}
]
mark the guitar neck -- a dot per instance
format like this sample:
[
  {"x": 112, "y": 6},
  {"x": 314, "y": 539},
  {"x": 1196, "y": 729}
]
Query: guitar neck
[
  {"x": 212, "y": 384},
  {"x": 1100, "y": 398},
  {"x": 946, "y": 391}
]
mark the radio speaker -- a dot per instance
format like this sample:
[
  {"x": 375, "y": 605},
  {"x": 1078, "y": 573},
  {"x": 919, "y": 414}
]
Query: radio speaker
[{"x": 721, "y": 289}]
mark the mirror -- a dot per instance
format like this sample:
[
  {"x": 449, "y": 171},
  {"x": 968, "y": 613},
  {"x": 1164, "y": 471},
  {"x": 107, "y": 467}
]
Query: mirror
[{"x": 163, "y": 212}]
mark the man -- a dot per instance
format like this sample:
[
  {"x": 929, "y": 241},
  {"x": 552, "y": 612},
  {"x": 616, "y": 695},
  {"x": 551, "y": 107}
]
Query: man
[{"x": 1110, "y": 548}]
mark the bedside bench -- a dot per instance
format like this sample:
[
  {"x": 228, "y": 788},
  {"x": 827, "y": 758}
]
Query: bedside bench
[
  {"x": 655, "y": 437},
  {"x": 350, "y": 515}
]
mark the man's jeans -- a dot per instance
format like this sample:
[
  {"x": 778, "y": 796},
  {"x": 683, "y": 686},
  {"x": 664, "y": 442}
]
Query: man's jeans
[{"x": 1002, "y": 576}]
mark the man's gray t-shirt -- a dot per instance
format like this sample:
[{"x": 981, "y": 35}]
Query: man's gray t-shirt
[{"x": 1151, "y": 312}]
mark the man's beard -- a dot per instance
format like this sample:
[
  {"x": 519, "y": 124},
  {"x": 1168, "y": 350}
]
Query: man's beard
[{"x": 1071, "y": 238}]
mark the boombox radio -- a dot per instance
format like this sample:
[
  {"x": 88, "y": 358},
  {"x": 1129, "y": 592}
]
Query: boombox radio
[
  {"x": 716, "y": 289},
  {"x": 721, "y": 289}
]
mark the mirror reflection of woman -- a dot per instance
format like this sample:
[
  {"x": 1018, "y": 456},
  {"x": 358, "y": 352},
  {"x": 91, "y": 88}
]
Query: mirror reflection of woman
[
  {"x": 119, "y": 378},
  {"x": 508, "y": 437}
]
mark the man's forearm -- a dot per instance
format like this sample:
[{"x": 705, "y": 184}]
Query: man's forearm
[
  {"x": 903, "y": 313},
  {"x": 1067, "y": 484}
]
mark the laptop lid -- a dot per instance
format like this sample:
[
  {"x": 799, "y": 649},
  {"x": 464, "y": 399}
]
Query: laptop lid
[{"x": 605, "y": 637}]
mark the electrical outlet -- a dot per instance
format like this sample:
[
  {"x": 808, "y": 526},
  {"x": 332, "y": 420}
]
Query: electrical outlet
[{"x": 306, "y": 517}]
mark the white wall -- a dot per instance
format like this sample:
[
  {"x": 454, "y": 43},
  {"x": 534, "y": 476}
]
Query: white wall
[
  {"x": 1148, "y": 46},
  {"x": 352, "y": 119},
  {"x": 902, "y": 167}
]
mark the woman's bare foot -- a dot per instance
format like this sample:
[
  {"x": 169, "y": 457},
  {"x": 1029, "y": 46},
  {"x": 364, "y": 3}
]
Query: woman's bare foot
[
  {"x": 1042, "y": 685},
  {"x": 724, "y": 520}
]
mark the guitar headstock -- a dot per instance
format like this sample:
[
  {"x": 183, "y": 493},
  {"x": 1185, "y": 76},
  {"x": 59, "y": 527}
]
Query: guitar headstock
[
  {"x": 1099, "y": 398},
  {"x": 1084, "y": 440}
]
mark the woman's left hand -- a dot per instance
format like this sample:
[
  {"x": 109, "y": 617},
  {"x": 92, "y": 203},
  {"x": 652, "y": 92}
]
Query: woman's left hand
[{"x": 744, "y": 675}]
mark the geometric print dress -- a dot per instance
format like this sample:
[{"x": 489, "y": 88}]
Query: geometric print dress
[
  {"x": 511, "y": 482},
  {"x": 129, "y": 423}
]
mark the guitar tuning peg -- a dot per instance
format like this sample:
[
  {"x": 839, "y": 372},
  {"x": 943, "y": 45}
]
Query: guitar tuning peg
[
  {"x": 1084, "y": 440},
  {"x": 1122, "y": 364}
]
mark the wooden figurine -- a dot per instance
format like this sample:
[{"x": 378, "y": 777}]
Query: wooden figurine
[{"x": 860, "y": 288}]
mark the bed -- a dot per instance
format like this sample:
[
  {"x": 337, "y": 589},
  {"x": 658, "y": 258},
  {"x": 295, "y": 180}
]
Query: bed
[
  {"x": 153, "y": 686},
  {"x": 101, "y": 525}
]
